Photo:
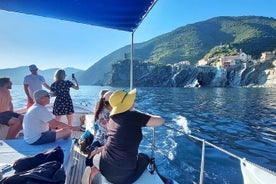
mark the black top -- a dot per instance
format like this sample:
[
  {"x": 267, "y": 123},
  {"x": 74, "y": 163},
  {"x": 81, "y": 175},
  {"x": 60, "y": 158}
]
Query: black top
[{"x": 124, "y": 137}]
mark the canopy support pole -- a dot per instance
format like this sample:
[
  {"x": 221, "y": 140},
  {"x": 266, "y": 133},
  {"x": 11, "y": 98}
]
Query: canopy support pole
[{"x": 131, "y": 62}]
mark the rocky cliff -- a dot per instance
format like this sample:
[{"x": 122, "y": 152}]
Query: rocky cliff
[
  {"x": 251, "y": 34},
  {"x": 261, "y": 74}
]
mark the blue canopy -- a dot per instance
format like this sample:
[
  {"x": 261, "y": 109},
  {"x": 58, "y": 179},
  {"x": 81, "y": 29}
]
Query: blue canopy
[{"x": 123, "y": 15}]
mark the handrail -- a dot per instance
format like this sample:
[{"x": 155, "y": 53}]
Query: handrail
[
  {"x": 204, "y": 142},
  {"x": 230, "y": 154}
]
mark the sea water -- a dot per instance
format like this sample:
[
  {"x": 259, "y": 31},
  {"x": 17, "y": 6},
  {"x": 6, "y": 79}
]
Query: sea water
[{"x": 239, "y": 120}]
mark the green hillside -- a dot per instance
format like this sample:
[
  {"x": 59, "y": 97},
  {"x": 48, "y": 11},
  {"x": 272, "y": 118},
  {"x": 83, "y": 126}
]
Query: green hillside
[{"x": 252, "y": 34}]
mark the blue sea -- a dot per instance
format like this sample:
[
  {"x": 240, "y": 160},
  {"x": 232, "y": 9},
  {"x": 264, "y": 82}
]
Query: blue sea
[{"x": 239, "y": 120}]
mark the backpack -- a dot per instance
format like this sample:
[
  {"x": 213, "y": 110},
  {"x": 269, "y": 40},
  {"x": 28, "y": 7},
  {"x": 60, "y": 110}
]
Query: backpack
[
  {"x": 85, "y": 141},
  {"x": 30, "y": 162},
  {"x": 47, "y": 173}
]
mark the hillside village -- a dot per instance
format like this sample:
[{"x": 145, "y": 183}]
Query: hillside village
[
  {"x": 221, "y": 70},
  {"x": 239, "y": 58},
  {"x": 227, "y": 62}
]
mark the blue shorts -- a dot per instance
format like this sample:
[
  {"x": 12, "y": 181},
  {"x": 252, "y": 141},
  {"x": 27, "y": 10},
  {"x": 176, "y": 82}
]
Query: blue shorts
[
  {"x": 46, "y": 137},
  {"x": 6, "y": 116}
]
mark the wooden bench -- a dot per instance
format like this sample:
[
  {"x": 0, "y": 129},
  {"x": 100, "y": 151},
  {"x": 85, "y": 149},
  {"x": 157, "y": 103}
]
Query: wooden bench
[{"x": 78, "y": 162}]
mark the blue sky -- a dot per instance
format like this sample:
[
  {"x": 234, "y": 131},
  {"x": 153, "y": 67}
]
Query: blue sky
[{"x": 49, "y": 43}]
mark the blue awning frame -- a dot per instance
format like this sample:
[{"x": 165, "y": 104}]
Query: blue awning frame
[{"x": 124, "y": 15}]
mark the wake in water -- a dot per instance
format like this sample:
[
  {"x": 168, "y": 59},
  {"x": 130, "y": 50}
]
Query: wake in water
[{"x": 182, "y": 122}]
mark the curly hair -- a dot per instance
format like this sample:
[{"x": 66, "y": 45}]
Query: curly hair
[{"x": 4, "y": 80}]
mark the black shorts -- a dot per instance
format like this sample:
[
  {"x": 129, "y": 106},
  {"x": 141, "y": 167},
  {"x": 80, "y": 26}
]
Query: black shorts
[
  {"x": 6, "y": 116},
  {"x": 46, "y": 137}
]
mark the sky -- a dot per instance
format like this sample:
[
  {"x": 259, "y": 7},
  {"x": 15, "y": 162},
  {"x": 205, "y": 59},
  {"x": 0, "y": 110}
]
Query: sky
[{"x": 51, "y": 43}]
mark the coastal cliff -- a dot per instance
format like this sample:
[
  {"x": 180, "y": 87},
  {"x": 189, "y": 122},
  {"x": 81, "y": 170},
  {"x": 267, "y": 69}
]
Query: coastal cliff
[
  {"x": 252, "y": 35},
  {"x": 262, "y": 74}
]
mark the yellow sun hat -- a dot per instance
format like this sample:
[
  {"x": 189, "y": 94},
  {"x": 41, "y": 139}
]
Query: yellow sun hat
[{"x": 121, "y": 101}]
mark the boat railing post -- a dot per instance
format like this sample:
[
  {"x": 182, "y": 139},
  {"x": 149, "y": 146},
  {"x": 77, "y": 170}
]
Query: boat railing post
[
  {"x": 152, "y": 162},
  {"x": 201, "y": 180},
  {"x": 152, "y": 143}
]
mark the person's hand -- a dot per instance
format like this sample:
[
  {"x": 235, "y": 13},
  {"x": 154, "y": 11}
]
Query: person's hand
[
  {"x": 95, "y": 151},
  {"x": 30, "y": 100},
  {"x": 53, "y": 94},
  {"x": 76, "y": 128}
]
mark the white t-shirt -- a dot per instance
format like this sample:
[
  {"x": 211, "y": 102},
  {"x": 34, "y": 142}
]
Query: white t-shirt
[
  {"x": 35, "y": 122},
  {"x": 34, "y": 83}
]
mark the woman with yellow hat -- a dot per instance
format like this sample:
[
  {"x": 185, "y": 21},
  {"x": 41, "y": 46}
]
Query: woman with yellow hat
[{"x": 119, "y": 160}]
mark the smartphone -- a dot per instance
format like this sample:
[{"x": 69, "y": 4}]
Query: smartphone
[{"x": 73, "y": 75}]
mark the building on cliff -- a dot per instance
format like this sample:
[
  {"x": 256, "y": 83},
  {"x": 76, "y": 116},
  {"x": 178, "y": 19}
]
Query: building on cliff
[{"x": 266, "y": 56}]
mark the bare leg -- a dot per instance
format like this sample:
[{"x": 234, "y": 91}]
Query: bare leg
[
  {"x": 94, "y": 171},
  {"x": 15, "y": 126},
  {"x": 21, "y": 121},
  {"x": 58, "y": 118},
  {"x": 63, "y": 133},
  {"x": 70, "y": 118}
]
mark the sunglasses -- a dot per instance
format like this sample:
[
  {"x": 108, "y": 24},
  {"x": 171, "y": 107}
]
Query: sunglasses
[{"x": 47, "y": 96}]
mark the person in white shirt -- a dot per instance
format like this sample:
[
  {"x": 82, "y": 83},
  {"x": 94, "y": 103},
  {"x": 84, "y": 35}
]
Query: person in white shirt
[
  {"x": 39, "y": 125},
  {"x": 33, "y": 82}
]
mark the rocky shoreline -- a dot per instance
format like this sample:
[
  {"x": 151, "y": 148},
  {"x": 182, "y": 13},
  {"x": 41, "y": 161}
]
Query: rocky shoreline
[{"x": 262, "y": 74}]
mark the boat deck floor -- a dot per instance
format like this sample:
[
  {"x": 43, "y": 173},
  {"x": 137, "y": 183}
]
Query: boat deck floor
[{"x": 78, "y": 162}]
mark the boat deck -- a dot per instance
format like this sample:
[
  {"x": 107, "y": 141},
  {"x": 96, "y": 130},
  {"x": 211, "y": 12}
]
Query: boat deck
[{"x": 78, "y": 162}]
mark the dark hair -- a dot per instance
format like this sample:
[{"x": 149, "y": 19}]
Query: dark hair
[
  {"x": 99, "y": 107},
  {"x": 4, "y": 80},
  {"x": 102, "y": 92}
]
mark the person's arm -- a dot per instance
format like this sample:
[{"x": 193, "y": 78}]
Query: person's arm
[
  {"x": 46, "y": 86},
  {"x": 76, "y": 85},
  {"x": 95, "y": 151},
  {"x": 27, "y": 92},
  {"x": 11, "y": 107},
  {"x": 54, "y": 124},
  {"x": 155, "y": 121}
]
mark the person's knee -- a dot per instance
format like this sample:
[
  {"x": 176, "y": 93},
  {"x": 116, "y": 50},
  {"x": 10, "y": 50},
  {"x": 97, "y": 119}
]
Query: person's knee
[
  {"x": 14, "y": 122},
  {"x": 66, "y": 133},
  {"x": 21, "y": 117}
]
